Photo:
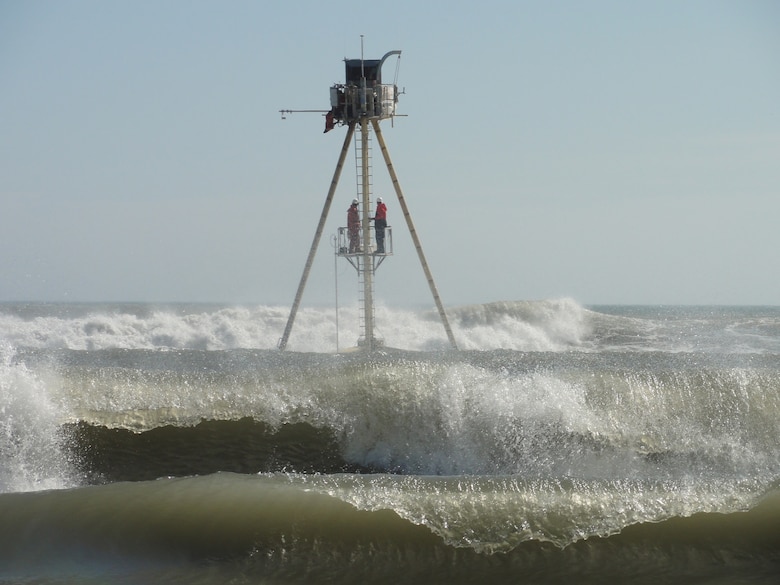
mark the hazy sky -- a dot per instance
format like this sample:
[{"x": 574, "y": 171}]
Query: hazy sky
[{"x": 607, "y": 151}]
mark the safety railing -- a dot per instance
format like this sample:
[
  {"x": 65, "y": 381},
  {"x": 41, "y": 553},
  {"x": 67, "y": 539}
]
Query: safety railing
[{"x": 351, "y": 243}]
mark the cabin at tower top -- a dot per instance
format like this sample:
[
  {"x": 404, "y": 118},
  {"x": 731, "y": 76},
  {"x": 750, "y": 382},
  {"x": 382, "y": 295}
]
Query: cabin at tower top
[{"x": 362, "y": 95}]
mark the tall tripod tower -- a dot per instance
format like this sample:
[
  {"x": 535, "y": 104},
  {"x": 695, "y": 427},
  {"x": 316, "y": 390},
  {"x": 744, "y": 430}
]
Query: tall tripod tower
[{"x": 360, "y": 104}]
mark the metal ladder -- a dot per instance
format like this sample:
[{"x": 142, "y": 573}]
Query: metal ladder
[
  {"x": 365, "y": 265},
  {"x": 362, "y": 268},
  {"x": 359, "y": 167}
]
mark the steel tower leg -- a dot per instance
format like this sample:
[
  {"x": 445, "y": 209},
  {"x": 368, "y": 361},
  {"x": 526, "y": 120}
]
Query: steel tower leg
[
  {"x": 313, "y": 250},
  {"x": 413, "y": 232}
]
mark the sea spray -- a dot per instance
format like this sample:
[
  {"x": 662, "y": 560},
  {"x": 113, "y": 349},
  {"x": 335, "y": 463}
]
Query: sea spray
[
  {"x": 525, "y": 326},
  {"x": 31, "y": 457}
]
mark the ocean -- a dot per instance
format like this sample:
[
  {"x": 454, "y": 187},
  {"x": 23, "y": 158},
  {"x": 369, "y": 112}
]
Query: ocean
[{"x": 568, "y": 444}]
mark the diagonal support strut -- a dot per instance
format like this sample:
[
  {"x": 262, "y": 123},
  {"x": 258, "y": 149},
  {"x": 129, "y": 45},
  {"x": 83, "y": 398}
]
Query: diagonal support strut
[
  {"x": 413, "y": 232},
  {"x": 318, "y": 234}
]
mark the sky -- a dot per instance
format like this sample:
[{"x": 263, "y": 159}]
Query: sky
[{"x": 609, "y": 152}]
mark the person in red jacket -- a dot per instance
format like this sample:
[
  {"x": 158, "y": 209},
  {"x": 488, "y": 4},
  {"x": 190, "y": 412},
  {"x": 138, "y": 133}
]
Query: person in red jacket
[
  {"x": 353, "y": 227},
  {"x": 380, "y": 223}
]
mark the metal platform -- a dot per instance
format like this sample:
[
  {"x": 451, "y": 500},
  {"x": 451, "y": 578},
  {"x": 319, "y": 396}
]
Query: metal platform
[{"x": 352, "y": 248}]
